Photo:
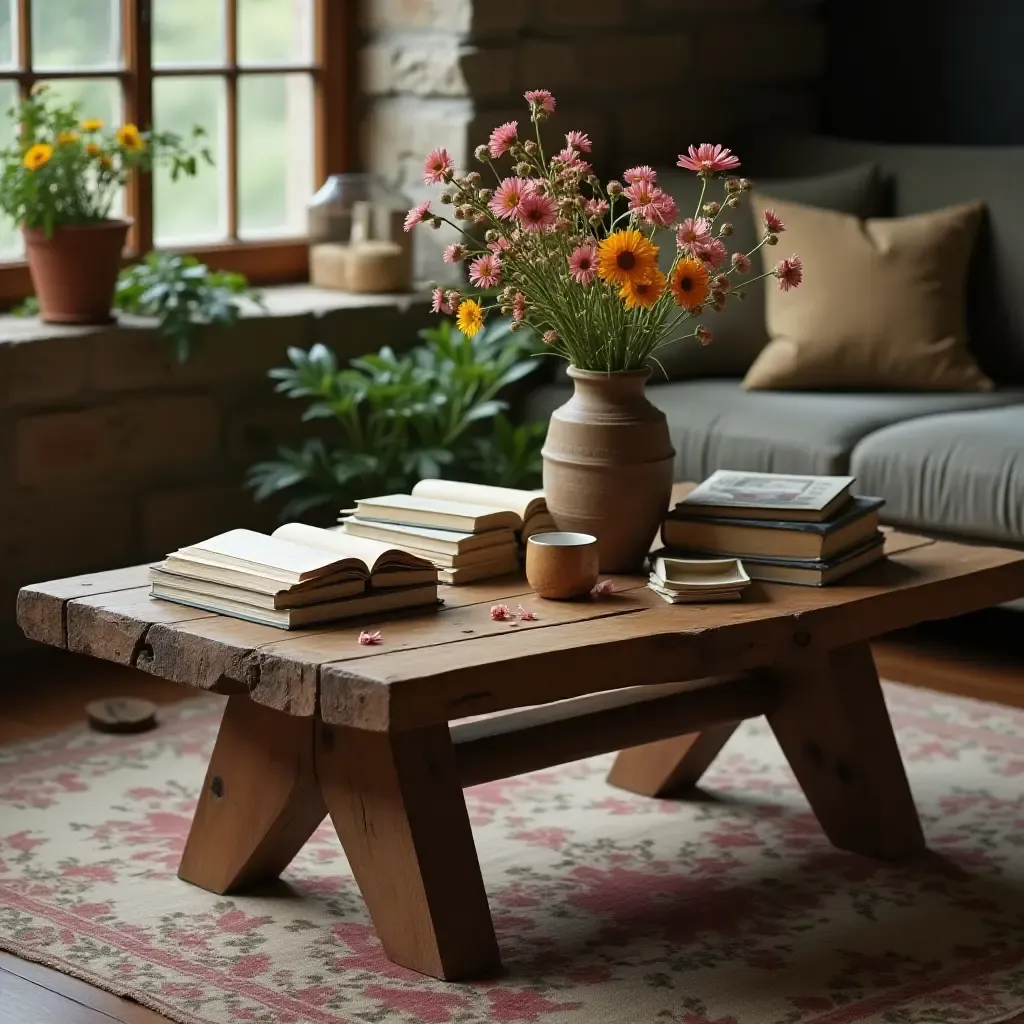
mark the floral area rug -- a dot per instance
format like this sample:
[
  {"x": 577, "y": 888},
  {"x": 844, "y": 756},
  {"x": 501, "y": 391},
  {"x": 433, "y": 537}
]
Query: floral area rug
[{"x": 609, "y": 909}]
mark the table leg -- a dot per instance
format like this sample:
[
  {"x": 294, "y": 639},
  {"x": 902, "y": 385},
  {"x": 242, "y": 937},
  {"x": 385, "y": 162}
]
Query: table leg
[
  {"x": 260, "y": 801},
  {"x": 397, "y": 805},
  {"x": 834, "y": 728},
  {"x": 669, "y": 766}
]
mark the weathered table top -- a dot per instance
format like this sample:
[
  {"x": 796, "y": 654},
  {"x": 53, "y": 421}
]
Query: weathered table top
[{"x": 456, "y": 662}]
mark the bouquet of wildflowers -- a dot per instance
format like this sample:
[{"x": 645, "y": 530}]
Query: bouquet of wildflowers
[{"x": 576, "y": 259}]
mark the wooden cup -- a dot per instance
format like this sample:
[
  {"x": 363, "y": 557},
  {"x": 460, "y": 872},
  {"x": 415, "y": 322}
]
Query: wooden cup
[{"x": 561, "y": 565}]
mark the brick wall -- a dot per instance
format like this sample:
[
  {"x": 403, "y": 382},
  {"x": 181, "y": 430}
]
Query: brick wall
[
  {"x": 111, "y": 453},
  {"x": 644, "y": 78}
]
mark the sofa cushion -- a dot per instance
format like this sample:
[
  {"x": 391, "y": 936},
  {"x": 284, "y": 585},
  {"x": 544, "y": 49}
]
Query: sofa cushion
[
  {"x": 739, "y": 330},
  {"x": 962, "y": 473},
  {"x": 717, "y": 425},
  {"x": 882, "y": 303}
]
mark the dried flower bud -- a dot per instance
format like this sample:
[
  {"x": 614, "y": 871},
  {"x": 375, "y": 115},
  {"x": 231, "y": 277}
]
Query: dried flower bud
[
  {"x": 484, "y": 195},
  {"x": 523, "y": 170},
  {"x": 550, "y": 337},
  {"x": 566, "y": 205},
  {"x": 530, "y": 146},
  {"x": 453, "y": 298},
  {"x": 481, "y": 219},
  {"x": 703, "y": 335},
  {"x": 713, "y": 208},
  {"x": 563, "y": 224},
  {"x": 772, "y": 240},
  {"x": 696, "y": 311},
  {"x": 718, "y": 305},
  {"x": 481, "y": 153},
  {"x": 596, "y": 221},
  {"x": 460, "y": 213},
  {"x": 580, "y": 203},
  {"x": 473, "y": 178},
  {"x": 506, "y": 310},
  {"x": 515, "y": 325},
  {"x": 614, "y": 188},
  {"x": 733, "y": 185},
  {"x": 436, "y": 223},
  {"x": 447, "y": 198},
  {"x": 721, "y": 283},
  {"x": 733, "y": 202},
  {"x": 740, "y": 295},
  {"x": 491, "y": 235},
  {"x": 725, "y": 230},
  {"x": 746, "y": 184}
]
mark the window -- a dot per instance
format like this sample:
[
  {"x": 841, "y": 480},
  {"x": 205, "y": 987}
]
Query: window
[{"x": 267, "y": 79}]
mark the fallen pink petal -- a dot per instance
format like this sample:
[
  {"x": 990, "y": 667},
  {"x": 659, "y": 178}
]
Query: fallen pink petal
[
  {"x": 371, "y": 637},
  {"x": 603, "y": 588},
  {"x": 525, "y": 614},
  {"x": 500, "y": 612}
]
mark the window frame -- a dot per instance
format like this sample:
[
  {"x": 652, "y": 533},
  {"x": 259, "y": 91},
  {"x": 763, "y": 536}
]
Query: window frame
[{"x": 263, "y": 261}]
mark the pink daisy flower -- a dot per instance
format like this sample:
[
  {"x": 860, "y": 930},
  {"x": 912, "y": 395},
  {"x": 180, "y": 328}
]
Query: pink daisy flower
[
  {"x": 708, "y": 159},
  {"x": 508, "y": 197},
  {"x": 579, "y": 140},
  {"x": 663, "y": 209},
  {"x": 596, "y": 207},
  {"x": 438, "y": 304},
  {"x": 485, "y": 271},
  {"x": 773, "y": 222},
  {"x": 582, "y": 268},
  {"x": 741, "y": 263},
  {"x": 537, "y": 212},
  {"x": 640, "y": 195},
  {"x": 417, "y": 215},
  {"x": 454, "y": 253},
  {"x": 499, "y": 245},
  {"x": 519, "y": 308},
  {"x": 542, "y": 98},
  {"x": 643, "y": 173},
  {"x": 693, "y": 231},
  {"x": 789, "y": 272},
  {"x": 502, "y": 138},
  {"x": 437, "y": 167},
  {"x": 712, "y": 251},
  {"x": 500, "y": 612},
  {"x": 370, "y": 638}
]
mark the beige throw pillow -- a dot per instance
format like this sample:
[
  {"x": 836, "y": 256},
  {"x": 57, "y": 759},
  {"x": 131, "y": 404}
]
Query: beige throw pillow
[{"x": 882, "y": 304}]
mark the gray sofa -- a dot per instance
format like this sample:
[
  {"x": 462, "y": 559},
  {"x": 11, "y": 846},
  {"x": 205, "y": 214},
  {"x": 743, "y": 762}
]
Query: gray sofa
[{"x": 947, "y": 463}]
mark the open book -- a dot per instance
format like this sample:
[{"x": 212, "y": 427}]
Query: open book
[{"x": 530, "y": 506}]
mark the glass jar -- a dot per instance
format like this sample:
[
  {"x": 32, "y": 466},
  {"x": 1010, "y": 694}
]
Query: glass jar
[{"x": 337, "y": 212}]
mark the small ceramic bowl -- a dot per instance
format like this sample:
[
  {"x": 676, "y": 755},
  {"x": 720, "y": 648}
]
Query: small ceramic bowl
[{"x": 561, "y": 565}]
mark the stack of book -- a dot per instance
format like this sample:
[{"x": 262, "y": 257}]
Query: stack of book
[
  {"x": 298, "y": 576},
  {"x": 468, "y": 531},
  {"x": 790, "y": 529}
]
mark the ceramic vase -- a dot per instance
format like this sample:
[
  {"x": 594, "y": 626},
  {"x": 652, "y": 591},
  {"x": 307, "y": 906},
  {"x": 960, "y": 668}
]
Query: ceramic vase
[
  {"x": 608, "y": 465},
  {"x": 74, "y": 271}
]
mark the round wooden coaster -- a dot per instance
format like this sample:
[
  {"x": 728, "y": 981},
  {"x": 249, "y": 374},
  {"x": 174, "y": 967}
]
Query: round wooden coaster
[{"x": 121, "y": 714}]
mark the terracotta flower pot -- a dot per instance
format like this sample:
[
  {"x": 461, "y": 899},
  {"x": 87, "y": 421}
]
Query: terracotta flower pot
[
  {"x": 608, "y": 465},
  {"x": 74, "y": 271}
]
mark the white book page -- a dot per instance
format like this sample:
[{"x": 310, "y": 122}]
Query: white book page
[
  {"x": 283, "y": 554},
  {"x": 369, "y": 552},
  {"x": 503, "y": 499}
]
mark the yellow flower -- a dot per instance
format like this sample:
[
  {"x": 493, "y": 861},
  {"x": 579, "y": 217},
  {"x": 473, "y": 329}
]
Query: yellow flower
[
  {"x": 92, "y": 124},
  {"x": 92, "y": 149},
  {"x": 626, "y": 257},
  {"x": 38, "y": 155},
  {"x": 690, "y": 283},
  {"x": 470, "y": 317},
  {"x": 66, "y": 138},
  {"x": 105, "y": 162},
  {"x": 129, "y": 137},
  {"x": 643, "y": 294}
]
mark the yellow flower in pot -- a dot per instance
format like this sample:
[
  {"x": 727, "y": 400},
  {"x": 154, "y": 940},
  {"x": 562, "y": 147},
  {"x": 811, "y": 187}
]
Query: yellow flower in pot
[{"x": 59, "y": 179}]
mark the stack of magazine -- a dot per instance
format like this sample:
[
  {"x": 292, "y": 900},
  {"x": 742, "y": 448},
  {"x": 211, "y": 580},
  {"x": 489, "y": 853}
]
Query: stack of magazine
[
  {"x": 298, "y": 576},
  {"x": 468, "y": 531},
  {"x": 791, "y": 529}
]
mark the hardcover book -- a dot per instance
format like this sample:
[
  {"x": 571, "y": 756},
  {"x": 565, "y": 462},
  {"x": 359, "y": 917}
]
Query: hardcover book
[{"x": 779, "y": 496}]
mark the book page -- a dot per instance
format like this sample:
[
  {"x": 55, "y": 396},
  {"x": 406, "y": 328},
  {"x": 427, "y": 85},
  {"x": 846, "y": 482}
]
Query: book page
[
  {"x": 371, "y": 553},
  {"x": 288, "y": 554},
  {"x": 503, "y": 499},
  {"x": 768, "y": 490}
]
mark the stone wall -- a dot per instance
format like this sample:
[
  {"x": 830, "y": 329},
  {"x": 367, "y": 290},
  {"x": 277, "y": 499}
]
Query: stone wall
[
  {"x": 645, "y": 78},
  {"x": 112, "y": 454}
]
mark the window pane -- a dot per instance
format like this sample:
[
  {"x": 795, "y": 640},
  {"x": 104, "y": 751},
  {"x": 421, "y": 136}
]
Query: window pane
[
  {"x": 275, "y": 153},
  {"x": 76, "y": 34},
  {"x": 10, "y": 237},
  {"x": 191, "y": 209},
  {"x": 8, "y": 36},
  {"x": 275, "y": 31},
  {"x": 188, "y": 32}
]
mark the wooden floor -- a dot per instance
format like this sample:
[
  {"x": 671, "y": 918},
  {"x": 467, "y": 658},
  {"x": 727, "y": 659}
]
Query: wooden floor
[{"x": 978, "y": 656}]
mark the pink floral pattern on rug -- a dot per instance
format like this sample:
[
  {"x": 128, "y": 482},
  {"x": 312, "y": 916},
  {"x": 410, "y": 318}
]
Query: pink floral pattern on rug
[{"x": 731, "y": 908}]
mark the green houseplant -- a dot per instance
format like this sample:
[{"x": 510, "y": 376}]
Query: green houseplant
[
  {"x": 59, "y": 180},
  {"x": 390, "y": 420}
]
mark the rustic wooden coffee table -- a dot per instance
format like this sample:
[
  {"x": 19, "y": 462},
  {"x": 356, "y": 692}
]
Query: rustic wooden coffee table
[{"x": 384, "y": 738}]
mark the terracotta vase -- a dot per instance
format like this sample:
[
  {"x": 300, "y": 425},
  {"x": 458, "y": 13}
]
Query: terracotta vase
[
  {"x": 74, "y": 271},
  {"x": 608, "y": 466}
]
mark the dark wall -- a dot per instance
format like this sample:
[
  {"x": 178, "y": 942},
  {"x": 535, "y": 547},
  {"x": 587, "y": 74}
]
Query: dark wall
[{"x": 928, "y": 71}]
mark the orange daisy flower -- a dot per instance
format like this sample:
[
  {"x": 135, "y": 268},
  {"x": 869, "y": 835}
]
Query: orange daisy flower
[
  {"x": 690, "y": 283},
  {"x": 626, "y": 257},
  {"x": 643, "y": 294}
]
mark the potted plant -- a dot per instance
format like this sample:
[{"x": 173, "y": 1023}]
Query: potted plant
[
  {"x": 60, "y": 179},
  {"x": 577, "y": 260}
]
